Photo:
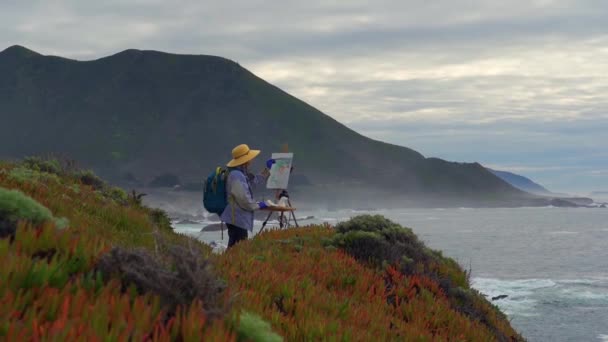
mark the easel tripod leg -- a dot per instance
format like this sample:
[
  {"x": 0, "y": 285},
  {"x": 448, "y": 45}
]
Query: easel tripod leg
[
  {"x": 293, "y": 215},
  {"x": 265, "y": 221}
]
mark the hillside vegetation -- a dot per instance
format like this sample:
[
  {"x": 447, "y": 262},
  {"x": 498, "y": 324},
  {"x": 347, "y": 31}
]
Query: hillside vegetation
[
  {"x": 83, "y": 260},
  {"x": 138, "y": 115}
]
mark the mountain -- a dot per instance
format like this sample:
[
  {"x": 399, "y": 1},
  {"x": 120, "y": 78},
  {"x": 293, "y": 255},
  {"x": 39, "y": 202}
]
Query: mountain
[
  {"x": 137, "y": 115},
  {"x": 521, "y": 182}
]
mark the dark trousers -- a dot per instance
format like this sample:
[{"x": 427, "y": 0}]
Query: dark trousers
[{"x": 235, "y": 234}]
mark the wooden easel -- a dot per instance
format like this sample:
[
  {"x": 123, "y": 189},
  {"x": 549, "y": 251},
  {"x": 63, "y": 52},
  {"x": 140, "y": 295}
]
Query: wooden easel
[{"x": 284, "y": 220}]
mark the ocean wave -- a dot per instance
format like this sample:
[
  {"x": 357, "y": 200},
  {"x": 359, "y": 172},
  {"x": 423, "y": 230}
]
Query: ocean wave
[
  {"x": 516, "y": 284},
  {"x": 603, "y": 337},
  {"x": 585, "y": 291},
  {"x": 329, "y": 219},
  {"x": 590, "y": 281},
  {"x": 186, "y": 229},
  {"x": 521, "y": 300},
  {"x": 193, "y": 223},
  {"x": 525, "y": 296},
  {"x": 562, "y": 232}
]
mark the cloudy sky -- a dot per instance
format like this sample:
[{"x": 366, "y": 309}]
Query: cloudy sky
[{"x": 518, "y": 85}]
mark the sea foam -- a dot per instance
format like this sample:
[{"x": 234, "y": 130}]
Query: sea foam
[{"x": 524, "y": 295}]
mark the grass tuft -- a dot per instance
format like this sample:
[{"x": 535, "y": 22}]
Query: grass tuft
[{"x": 253, "y": 328}]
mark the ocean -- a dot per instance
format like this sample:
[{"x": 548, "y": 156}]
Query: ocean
[{"x": 552, "y": 263}]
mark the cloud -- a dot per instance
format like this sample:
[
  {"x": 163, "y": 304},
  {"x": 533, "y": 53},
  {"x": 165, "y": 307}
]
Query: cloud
[{"x": 518, "y": 83}]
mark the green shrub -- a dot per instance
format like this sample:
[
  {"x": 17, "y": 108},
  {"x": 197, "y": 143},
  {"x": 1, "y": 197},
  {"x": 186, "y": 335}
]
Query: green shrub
[
  {"x": 368, "y": 223},
  {"x": 88, "y": 177},
  {"x": 253, "y": 328},
  {"x": 160, "y": 219},
  {"x": 117, "y": 195},
  {"x": 381, "y": 242},
  {"x": 15, "y": 206},
  {"x": 24, "y": 175},
  {"x": 45, "y": 165},
  {"x": 378, "y": 240},
  {"x": 75, "y": 188}
]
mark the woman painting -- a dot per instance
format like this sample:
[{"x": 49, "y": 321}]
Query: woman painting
[{"x": 238, "y": 215}]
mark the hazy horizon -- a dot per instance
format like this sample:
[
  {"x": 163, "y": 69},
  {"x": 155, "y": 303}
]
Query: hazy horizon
[{"x": 516, "y": 86}]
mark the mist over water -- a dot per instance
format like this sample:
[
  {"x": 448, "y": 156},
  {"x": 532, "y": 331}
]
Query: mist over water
[{"x": 551, "y": 262}]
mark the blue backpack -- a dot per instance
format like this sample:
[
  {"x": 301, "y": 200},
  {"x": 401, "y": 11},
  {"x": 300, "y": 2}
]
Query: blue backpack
[{"x": 215, "y": 198}]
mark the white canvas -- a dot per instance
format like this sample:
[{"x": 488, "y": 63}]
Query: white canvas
[{"x": 279, "y": 173}]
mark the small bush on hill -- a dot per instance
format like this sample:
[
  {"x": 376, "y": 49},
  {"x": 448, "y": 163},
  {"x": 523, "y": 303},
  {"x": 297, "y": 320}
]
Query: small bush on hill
[
  {"x": 88, "y": 177},
  {"x": 45, "y": 165},
  {"x": 25, "y": 175},
  {"x": 378, "y": 240},
  {"x": 117, "y": 195},
  {"x": 368, "y": 223},
  {"x": 179, "y": 279},
  {"x": 16, "y": 206},
  {"x": 37, "y": 168},
  {"x": 381, "y": 242},
  {"x": 160, "y": 218}
]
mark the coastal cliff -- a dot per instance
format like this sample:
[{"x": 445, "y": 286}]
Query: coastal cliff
[{"x": 82, "y": 259}]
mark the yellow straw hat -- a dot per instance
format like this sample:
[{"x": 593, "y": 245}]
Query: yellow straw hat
[{"x": 241, "y": 155}]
